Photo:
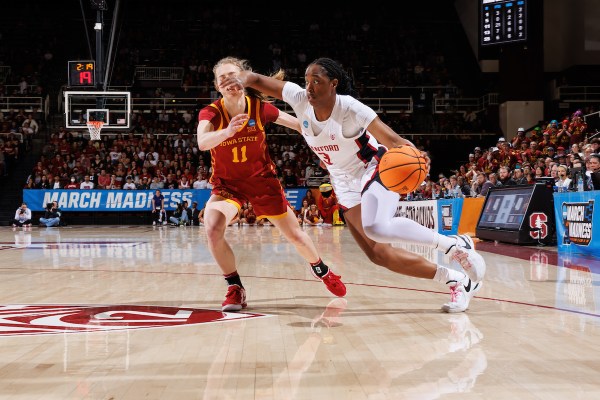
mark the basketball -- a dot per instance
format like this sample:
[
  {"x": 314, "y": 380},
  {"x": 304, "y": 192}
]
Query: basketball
[{"x": 402, "y": 169}]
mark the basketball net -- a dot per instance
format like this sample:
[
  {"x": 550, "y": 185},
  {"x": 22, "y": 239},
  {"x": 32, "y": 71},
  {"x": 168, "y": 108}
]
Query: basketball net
[{"x": 95, "y": 127}]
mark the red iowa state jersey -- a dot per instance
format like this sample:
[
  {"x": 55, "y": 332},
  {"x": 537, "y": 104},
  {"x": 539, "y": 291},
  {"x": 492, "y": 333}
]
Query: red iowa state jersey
[{"x": 246, "y": 154}]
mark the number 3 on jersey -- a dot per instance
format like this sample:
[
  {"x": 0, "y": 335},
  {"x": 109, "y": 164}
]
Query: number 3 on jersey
[
  {"x": 325, "y": 158},
  {"x": 236, "y": 159}
]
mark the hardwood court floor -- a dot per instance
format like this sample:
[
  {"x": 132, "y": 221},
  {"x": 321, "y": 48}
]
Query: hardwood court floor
[{"x": 68, "y": 293}]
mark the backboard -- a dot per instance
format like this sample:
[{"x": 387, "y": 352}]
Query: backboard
[{"x": 114, "y": 107}]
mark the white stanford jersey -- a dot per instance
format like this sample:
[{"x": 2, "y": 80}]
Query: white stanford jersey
[{"x": 342, "y": 142}]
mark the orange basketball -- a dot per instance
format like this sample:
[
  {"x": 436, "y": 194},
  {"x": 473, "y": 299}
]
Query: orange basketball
[{"x": 402, "y": 169}]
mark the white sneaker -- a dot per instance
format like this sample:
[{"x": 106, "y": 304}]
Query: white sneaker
[
  {"x": 153, "y": 223},
  {"x": 460, "y": 295},
  {"x": 470, "y": 260}
]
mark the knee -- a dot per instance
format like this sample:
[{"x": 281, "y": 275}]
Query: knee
[{"x": 214, "y": 233}]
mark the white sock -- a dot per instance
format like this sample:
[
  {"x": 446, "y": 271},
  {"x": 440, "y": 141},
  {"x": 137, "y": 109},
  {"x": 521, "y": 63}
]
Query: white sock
[
  {"x": 444, "y": 242},
  {"x": 444, "y": 275}
]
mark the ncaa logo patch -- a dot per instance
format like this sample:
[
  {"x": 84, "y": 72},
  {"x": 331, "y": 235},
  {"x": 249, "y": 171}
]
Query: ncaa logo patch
[
  {"x": 18, "y": 320},
  {"x": 251, "y": 122}
]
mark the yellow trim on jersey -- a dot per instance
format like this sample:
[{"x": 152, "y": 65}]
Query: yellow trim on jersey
[
  {"x": 259, "y": 122},
  {"x": 235, "y": 203},
  {"x": 221, "y": 119},
  {"x": 272, "y": 216}
]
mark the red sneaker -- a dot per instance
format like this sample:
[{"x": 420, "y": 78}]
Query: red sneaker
[
  {"x": 235, "y": 299},
  {"x": 334, "y": 284}
]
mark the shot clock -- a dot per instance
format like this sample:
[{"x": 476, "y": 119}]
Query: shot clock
[{"x": 82, "y": 74}]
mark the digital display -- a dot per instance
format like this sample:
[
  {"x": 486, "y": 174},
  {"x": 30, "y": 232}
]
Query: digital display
[
  {"x": 502, "y": 21},
  {"x": 506, "y": 209},
  {"x": 82, "y": 73}
]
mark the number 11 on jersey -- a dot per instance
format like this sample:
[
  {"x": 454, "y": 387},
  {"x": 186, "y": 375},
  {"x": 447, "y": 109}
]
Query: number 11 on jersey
[{"x": 236, "y": 159}]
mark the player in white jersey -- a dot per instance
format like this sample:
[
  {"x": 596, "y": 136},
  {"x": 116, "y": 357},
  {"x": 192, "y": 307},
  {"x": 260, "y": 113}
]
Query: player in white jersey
[{"x": 350, "y": 138}]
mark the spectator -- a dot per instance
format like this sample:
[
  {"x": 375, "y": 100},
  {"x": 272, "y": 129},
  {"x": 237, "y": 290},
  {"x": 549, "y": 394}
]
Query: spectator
[
  {"x": 519, "y": 176},
  {"x": 313, "y": 216},
  {"x": 129, "y": 185},
  {"x": 159, "y": 215},
  {"x": 180, "y": 215},
  {"x": 52, "y": 215},
  {"x": 72, "y": 184},
  {"x": 248, "y": 217},
  {"x": 184, "y": 183},
  {"x": 44, "y": 184},
  {"x": 114, "y": 183},
  {"x": 563, "y": 181},
  {"x": 309, "y": 197},
  {"x": 462, "y": 183},
  {"x": 290, "y": 179},
  {"x": 87, "y": 184},
  {"x": 201, "y": 215},
  {"x": 300, "y": 214},
  {"x": 201, "y": 182},
  {"x": 504, "y": 177},
  {"x": 22, "y": 217},
  {"x": 494, "y": 179},
  {"x": 157, "y": 183},
  {"x": 455, "y": 189},
  {"x": 193, "y": 214},
  {"x": 594, "y": 169},
  {"x": 56, "y": 184},
  {"x": 143, "y": 185},
  {"x": 103, "y": 180},
  {"x": 481, "y": 185}
]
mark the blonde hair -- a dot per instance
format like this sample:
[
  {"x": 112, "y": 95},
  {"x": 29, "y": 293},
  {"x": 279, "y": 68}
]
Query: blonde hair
[{"x": 244, "y": 65}]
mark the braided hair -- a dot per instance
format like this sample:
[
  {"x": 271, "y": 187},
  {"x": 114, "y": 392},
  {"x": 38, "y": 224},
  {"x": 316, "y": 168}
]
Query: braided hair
[{"x": 334, "y": 70}]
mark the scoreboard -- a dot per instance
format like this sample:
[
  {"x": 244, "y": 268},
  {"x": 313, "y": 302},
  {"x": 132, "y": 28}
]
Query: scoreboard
[
  {"x": 502, "y": 21},
  {"x": 82, "y": 73}
]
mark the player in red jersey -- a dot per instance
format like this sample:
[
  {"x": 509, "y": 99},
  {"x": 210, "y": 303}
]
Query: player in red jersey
[{"x": 233, "y": 129}]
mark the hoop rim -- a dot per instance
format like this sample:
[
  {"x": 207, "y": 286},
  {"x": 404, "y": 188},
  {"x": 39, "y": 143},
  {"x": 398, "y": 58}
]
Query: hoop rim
[{"x": 94, "y": 127}]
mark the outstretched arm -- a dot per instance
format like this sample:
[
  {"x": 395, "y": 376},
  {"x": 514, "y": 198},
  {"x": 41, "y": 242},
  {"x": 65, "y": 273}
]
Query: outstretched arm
[
  {"x": 389, "y": 138},
  {"x": 268, "y": 85},
  {"x": 386, "y": 135},
  {"x": 288, "y": 121}
]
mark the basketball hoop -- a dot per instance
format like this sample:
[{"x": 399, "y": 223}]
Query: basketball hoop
[{"x": 95, "y": 127}]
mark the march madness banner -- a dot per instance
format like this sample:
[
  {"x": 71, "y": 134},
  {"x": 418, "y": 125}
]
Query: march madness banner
[
  {"x": 578, "y": 222},
  {"x": 424, "y": 212},
  {"x": 125, "y": 200}
]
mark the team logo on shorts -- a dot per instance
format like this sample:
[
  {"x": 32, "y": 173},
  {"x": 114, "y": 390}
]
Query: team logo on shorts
[{"x": 53, "y": 319}]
